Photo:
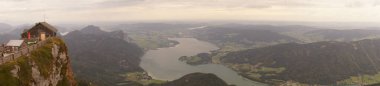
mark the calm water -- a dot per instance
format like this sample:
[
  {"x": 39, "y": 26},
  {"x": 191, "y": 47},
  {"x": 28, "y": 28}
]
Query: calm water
[{"x": 163, "y": 63}]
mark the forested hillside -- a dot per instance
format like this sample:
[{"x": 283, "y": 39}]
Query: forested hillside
[
  {"x": 101, "y": 57},
  {"x": 343, "y": 35},
  {"x": 322, "y": 63}
]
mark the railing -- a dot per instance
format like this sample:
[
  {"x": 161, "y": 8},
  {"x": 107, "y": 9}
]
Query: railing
[{"x": 24, "y": 51}]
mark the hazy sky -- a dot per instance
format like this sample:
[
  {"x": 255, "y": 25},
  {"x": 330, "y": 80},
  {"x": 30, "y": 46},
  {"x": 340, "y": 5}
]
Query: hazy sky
[{"x": 24, "y": 11}]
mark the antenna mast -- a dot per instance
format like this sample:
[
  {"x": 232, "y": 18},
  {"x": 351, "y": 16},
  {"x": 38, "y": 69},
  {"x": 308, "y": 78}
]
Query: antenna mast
[
  {"x": 44, "y": 17},
  {"x": 44, "y": 11}
]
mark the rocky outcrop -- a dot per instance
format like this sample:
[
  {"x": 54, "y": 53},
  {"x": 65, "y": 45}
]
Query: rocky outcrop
[{"x": 48, "y": 65}]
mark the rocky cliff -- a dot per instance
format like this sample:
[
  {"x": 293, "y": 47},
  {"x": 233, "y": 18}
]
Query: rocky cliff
[{"x": 48, "y": 65}]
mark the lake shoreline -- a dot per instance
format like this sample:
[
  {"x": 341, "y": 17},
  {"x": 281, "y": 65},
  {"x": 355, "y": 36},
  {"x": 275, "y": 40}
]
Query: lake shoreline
[{"x": 163, "y": 63}]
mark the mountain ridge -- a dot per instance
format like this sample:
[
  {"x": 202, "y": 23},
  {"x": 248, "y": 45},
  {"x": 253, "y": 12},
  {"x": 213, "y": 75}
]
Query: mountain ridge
[
  {"x": 334, "y": 61},
  {"x": 102, "y": 57}
]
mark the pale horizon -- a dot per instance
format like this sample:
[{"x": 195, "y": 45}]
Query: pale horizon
[{"x": 90, "y": 11}]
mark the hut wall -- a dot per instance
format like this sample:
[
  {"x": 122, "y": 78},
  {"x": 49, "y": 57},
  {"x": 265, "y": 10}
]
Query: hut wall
[{"x": 35, "y": 32}]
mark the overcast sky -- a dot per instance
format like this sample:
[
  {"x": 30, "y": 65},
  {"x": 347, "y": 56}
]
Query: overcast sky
[{"x": 26, "y": 11}]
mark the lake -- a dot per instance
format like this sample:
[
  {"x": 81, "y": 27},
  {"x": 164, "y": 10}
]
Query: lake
[{"x": 163, "y": 63}]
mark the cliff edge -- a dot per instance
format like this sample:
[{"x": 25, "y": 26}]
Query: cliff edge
[{"x": 47, "y": 65}]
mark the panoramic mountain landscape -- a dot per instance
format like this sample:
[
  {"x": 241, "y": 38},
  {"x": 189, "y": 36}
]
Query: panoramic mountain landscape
[
  {"x": 212, "y": 55},
  {"x": 189, "y": 43}
]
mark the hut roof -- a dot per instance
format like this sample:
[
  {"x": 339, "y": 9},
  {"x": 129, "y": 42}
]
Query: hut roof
[
  {"x": 15, "y": 43},
  {"x": 48, "y": 26}
]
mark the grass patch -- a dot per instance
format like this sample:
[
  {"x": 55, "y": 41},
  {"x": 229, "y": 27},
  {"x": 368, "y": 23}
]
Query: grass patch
[
  {"x": 42, "y": 57},
  {"x": 63, "y": 82},
  {"x": 254, "y": 75},
  {"x": 363, "y": 79},
  {"x": 153, "y": 81},
  {"x": 25, "y": 73},
  {"x": 193, "y": 59},
  {"x": 6, "y": 78},
  {"x": 142, "y": 78},
  {"x": 268, "y": 69}
]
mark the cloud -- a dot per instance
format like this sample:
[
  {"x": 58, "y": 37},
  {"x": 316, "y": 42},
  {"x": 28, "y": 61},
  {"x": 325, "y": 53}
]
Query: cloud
[
  {"x": 125, "y": 10},
  {"x": 259, "y": 4},
  {"x": 355, "y": 4},
  {"x": 362, "y": 3},
  {"x": 16, "y": 0},
  {"x": 376, "y": 3},
  {"x": 119, "y": 3}
]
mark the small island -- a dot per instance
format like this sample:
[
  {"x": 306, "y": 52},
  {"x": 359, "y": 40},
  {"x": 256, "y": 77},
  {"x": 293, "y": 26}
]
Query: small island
[{"x": 199, "y": 59}]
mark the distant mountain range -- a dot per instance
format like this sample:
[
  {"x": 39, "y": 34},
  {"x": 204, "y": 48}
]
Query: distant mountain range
[
  {"x": 240, "y": 36},
  {"x": 4, "y": 38},
  {"x": 152, "y": 26},
  {"x": 274, "y": 28},
  {"x": 253, "y": 36},
  {"x": 234, "y": 37},
  {"x": 4, "y": 33},
  {"x": 4, "y": 28},
  {"x": 344, "y": 35}
]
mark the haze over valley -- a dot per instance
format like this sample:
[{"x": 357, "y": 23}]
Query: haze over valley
[{"x": 189, "y": 43}]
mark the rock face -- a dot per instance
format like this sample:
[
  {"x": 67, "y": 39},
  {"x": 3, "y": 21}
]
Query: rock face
[{"x": 48, "y": 65}]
